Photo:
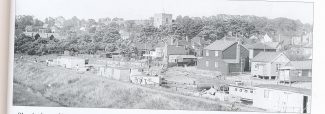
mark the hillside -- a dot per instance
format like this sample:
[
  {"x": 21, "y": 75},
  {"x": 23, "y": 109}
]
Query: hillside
[{"x": 56, "y": 86}]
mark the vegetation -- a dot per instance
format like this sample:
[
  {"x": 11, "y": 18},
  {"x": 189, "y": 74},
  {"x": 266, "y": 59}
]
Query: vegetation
[
  {"x": 57, "y": 86},
  {"x": 91, "y": 36}
]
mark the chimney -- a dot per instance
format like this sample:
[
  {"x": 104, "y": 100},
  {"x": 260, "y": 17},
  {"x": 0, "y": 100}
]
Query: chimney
[
  {"x": 171, "y": 41},
  {"x": 238, "y": 51}
]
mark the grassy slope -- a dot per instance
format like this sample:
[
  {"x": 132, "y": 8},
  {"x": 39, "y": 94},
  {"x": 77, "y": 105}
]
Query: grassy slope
[{"x": 68, "y": 88}]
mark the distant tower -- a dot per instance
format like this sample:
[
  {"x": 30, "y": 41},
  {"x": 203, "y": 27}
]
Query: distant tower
[{"x": 162, "y": 19}]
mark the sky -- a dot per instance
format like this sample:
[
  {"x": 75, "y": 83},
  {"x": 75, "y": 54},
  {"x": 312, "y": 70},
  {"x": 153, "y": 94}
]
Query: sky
[{"x": 143, "y": 9}]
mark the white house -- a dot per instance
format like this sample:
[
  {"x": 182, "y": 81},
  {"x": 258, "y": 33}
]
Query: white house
[
  {"x": 266, "y": 38},
  {"x": 296, "y": 71},
  {"x": 279, "y": 98},
  {"x": 266, "y": 65}
]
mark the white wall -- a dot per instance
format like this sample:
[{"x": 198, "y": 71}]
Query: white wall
[
  {"x": 260, "y": 71},
  {"x": 283, "y": 60},
  {"x": 278, "y": 101},
  {"x": 241, "y": 94}
]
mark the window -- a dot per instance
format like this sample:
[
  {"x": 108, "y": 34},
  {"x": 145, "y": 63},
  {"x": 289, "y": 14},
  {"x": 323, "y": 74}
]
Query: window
[
  {"x": 216, "y": 64},
  {"x": 235, "y": 89},
  {"x": 266, "y": 93},
  {"x": 299, "y": 73},
  {"x": 207, "y": 63},
  {"x": 278, "y": 66},
  {"x": 207, "y": 53},
  {"x": 256, "y": 67},
  {"x": 216, "y": 53}
]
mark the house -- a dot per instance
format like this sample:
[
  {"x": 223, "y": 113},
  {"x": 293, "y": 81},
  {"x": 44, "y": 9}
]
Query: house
[
  {"x": 144, "y": 48},
  {"x": 198, "y": 44},
  {"x": 114, "y": 54},
  {"x": 308, "y": 49},
  {"x": 280, "y": 98},
  {"x": 256, "y": 48},
  {"x": 303, "y": 39},
  {"x": 296, "y": 71},
  {"x": 181, "y": 60},
  {"x": 224, "y": 56},
  {"x": 266, "y": 38},
  {"x": 266, "y": 65}
]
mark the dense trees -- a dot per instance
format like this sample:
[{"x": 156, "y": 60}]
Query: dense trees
[{"x": 90, "y": 36}]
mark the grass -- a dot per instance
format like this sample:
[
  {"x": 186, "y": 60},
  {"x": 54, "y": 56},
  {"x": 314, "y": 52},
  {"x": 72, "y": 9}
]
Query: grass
[{"x": 67, "y": 88}]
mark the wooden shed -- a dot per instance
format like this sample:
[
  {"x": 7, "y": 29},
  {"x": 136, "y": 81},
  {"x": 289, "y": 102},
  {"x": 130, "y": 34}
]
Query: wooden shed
[
  {"x": 116, "y": 73},
  {"x": 296, "y": 71}
]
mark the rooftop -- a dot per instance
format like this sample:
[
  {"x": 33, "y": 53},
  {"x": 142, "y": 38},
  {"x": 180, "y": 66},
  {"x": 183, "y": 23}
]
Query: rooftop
[
  {"x": 285, "y": 88},
  {"x": 182, "y": 56},
  {"x": 299, "y": 65},
  {"x": 267, "y": 45},
  {"x": 266, "y": 56},
  {"x": 220, "y": 45}
]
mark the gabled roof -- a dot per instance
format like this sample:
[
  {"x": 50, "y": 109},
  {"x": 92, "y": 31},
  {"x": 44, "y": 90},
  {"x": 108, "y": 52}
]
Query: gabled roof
[
  {"x": 220, "y": 45},
  {"x": 266, "y": 56},
  {"x": 285, "y": 88},
  {"x": 310, "y": 45},
  {"x": 267, "y": 45},
  {"x": 299, "y": 65},
  {"x": 183, "y": 56}
]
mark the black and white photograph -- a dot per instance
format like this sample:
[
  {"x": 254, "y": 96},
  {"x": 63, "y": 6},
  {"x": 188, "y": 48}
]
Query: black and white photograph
[{"x": 191, "y": 55}]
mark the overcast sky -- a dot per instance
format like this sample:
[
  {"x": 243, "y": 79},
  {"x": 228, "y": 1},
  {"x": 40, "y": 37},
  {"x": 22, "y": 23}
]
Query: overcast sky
[{"x": 143, "y": 9}]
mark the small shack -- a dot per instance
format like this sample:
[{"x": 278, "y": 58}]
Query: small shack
[
  {"x": 280, "y": 98},
  {"x": 116, "y": 73},
  {"x": 296, "y": 71},
  {"x": 71, "y": 62}
]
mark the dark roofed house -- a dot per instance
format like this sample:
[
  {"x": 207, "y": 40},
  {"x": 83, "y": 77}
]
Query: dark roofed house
[
  {"x": 256, "y": 48},
  {"x": 266, "y": 65},
  {"x": 224, "y": 56},
  {"x": 296, "y": 71}
]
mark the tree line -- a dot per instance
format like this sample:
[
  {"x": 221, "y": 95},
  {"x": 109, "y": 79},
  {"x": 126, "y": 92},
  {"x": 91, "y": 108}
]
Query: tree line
[{"x": 105, "y": 35}]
